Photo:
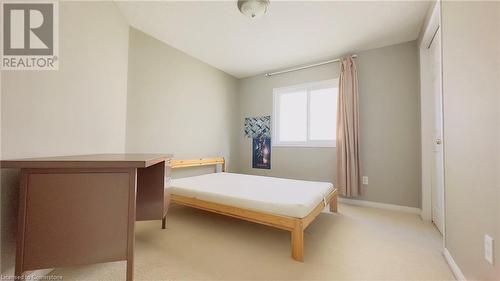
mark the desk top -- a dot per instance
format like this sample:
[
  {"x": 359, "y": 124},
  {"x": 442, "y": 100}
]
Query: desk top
[{"x": 126, "y": 160}]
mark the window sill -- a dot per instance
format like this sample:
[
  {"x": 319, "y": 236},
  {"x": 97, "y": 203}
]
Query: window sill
[{"x": 306, "y": 145}]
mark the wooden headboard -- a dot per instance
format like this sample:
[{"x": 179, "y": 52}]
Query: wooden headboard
[{"x": 176, "y": 164}]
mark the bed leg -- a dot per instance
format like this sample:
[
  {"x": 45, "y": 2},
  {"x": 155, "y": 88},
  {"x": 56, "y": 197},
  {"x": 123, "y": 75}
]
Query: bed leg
[
  {"x": 333, "y": 204},
  {"x": 298, "y": 242}
]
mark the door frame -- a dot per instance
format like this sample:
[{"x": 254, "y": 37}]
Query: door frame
[{"x": 433, "y": 22}]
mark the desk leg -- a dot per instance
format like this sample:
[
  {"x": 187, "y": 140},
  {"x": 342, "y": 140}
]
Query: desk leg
[
  {"x": 19, "y": 267},
  {"x": 164, "y": 222},
  {"x": 131, "y": 224}
]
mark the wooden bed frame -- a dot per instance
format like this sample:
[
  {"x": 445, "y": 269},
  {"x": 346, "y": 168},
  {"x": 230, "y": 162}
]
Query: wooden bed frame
[{"x": 295, "y": 225}]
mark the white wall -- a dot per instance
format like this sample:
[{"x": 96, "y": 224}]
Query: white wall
[
  {"x": 79, "y": 109},
  {"x": 389, "y": 125},
  {"x": 176, "y": 103},
  {"x": 471, "y": 87}
]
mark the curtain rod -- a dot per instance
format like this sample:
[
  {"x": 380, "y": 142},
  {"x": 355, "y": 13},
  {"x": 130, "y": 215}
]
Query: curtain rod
[{"x": 305, "y": 67}]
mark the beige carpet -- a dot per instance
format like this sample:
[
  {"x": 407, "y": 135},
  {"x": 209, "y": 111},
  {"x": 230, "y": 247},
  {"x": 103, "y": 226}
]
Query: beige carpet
[{"x": 357, "y": 244}]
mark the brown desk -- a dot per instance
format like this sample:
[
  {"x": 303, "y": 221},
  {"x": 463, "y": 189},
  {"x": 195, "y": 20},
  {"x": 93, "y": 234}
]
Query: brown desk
[{"x": 77, "y": 210}]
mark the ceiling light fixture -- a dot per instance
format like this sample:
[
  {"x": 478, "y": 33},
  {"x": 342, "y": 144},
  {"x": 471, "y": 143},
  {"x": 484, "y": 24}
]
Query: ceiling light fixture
[{"x": 253, "y": 8}]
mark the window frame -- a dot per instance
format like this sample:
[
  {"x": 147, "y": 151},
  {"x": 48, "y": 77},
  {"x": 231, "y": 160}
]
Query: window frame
[{"x": 308, "y": 87}]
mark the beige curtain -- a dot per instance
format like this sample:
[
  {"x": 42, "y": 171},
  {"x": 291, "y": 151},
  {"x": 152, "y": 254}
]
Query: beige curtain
[{"x": 348, "y": 174}]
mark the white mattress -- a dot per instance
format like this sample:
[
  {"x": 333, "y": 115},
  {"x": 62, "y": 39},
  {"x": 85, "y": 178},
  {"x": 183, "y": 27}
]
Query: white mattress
[{"x": 293, "y": 198}]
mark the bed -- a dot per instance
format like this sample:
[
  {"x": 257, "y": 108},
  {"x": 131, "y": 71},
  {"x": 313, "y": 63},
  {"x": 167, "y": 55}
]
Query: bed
[{"x": 282, "y": 203}]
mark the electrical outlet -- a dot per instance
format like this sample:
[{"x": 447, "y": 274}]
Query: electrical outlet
[
  {"x": 365, "y": 180},
  {"x": 488, "y": 248}
]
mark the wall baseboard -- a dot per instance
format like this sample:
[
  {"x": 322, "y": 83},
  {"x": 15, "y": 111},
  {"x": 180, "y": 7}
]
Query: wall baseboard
[
  {"x": 378, "y": 205},
  {"x": 453, "y": 266}
]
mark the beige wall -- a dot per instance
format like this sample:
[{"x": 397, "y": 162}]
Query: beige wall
[
  {"x": 79, "y": 109},
  {"x": 389, "y": 113},
  {"x": 177, "y": 104},
  {"x": 256, "y": 99},
  {"x": 471, "y": 87}
]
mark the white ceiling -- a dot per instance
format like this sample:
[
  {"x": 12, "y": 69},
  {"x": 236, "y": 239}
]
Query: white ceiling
[{"x": 290, "y": 34}]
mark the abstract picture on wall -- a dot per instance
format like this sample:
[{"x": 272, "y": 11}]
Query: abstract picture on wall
[
  {"x": 261, "y": 153},
  {"x": 258, "y": 127}
]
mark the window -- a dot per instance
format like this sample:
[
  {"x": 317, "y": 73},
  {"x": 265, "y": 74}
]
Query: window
[{"x": 306, "y": 115}]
